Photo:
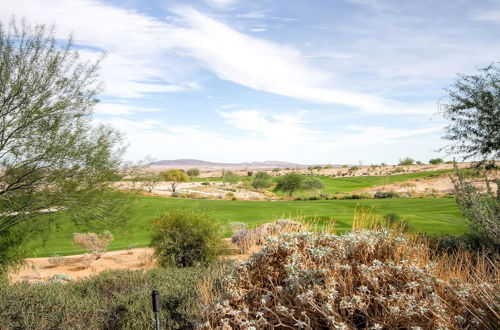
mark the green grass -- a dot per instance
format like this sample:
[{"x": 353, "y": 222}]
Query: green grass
[
  {"x": 433, "y": 215},
  {"x": 350, "y": 184}
]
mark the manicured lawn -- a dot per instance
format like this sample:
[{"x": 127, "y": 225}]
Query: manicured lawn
[{"x": 433, "y": 215}]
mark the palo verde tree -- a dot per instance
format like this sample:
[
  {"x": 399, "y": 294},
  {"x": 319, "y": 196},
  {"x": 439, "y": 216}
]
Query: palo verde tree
[
  {"x": 193, "y": 173},
  {"x": 51, "y": 157},
  {"x": 289, "y": 183},
  {"x": 174, "y": 176},
  {"x": 473, "y": 109}
]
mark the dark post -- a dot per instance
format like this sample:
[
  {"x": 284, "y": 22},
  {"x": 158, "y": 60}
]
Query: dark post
[{"x": 156, "y": 308}]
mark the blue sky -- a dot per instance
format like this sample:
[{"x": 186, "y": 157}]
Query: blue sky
[{"x": 304, "y": 81}]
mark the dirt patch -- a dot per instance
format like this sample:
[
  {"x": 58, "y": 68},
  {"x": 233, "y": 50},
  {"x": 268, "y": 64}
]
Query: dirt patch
[{"x": 78, "y": 267}]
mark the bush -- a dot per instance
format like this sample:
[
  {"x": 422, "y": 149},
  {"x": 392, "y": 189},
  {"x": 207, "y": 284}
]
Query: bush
[
  {"x": 394, "y": 220},
  {"x": 110, "y": 300},
  {"x": 92, "y": 242},
  {"x": 482, "y": 211},
  {"x": 313, "y": 184},
  {"x": 406, "y": 161},
  {"x": 436, "y": 161},
  {"x": 386, "y": 194},
  {"x": 261, "y": 183},
  {"x": 360, "y": 280},
  {"x": 186, "y": 237}
]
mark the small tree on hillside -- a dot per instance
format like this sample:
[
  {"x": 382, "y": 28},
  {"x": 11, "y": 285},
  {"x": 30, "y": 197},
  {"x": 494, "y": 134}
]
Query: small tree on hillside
[
  {"x": 193, "y": 173},
  {"x": 436, "y": 161},
  {"x": 289, "y": 183},
  {"x": 473, "y": 109},
  {"x": 174, "y": 176},
  {"x": 406, "y": 161}
]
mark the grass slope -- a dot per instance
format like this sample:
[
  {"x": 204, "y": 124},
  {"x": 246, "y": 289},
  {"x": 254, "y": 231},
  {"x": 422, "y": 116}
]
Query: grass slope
[{"x": 425, "y": 215}]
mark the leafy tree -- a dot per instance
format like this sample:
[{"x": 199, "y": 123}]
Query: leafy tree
[
  {"x": 150, "y": 180},
  {"x": 261, "y": 183},
  {"x": 406, "y": 161},
  {"x": 436, "y": 161},
  {"x": 313, "y": 184},
  {"x": 473, "y": 108},
  {"x": 289, "y": 183},
  {"x": 52, "y": 158},
  {"x": 174, "y": 176},
  {"x": 230, "y": 177},
  {"x": 193, "y": 173}
]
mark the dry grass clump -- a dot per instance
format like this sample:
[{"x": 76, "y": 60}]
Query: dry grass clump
[
  {"x": 366, "y": 279},
  {"x": 96, "y": 243},
  {"x": 245, "y": 239}
]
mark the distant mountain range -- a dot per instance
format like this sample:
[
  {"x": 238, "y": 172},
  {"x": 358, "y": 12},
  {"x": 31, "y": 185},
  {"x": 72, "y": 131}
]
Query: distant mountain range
[{"x": 202, "y": 163}]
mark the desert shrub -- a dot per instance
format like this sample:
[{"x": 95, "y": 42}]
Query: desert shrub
[
  {"x": 186, "y": 237},
  {"x": 249, "y": 173},
  {"x": 205, "y": 183},
  {"x": 110, "y": 300},
  {"x": 386, "y": 194},
  {"x": 451, "y": 244},
  {"x": 245, "y": 239},
  {"x": 406, "y": 161},
  {"x": 313, "y": 184},
  {"x": 353, "y": 169},
  {"x": 289, "y": 183},
  {"x": 394, "y": 220},
  {"x": 482, "y": 210},
  {"x": 436, "y": 161},
  {"x": 361, "y": 280},
  {"x": 399, "y": 169},
  {"x": 56, "y": 260},
  {"x": 92, "y": 242},
  {"x": 261, "y": 183},
  {"x": 60, "y": 278}
]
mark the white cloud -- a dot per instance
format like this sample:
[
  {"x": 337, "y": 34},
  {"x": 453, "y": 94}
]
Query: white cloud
[
  {"x": 116, "y": 109},
  {"x": 143, "y": 54},
  {"x": 260, "y": 137},
  {"x": 223, "y": 4}
]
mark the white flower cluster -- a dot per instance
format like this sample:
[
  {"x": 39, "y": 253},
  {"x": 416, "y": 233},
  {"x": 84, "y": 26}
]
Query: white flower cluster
[{"x": 368, "y": 279}]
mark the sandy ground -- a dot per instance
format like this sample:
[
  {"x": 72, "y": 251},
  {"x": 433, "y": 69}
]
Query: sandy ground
[
  {"x": 214, "y": 190},
  {"x": 435, "y": 185},
  {"x": 76, "y": 266}
]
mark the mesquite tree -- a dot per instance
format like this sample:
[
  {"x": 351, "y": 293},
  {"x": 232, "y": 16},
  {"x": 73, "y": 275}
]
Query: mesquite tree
[
  {"x": 473, "y": 107},
  {"x": 51, "y": 157}
]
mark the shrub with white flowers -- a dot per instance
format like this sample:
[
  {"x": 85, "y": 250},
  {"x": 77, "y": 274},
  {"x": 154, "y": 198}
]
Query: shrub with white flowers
[{"x": 361, "y": 280}]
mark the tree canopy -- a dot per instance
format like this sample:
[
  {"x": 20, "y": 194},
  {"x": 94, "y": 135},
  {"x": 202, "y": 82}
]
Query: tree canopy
[
  {"x": 473, "y": 109},
  {"x": 174, "y": 176},
  {"x": 51, "y": 156},
  {"x": 289, "y": 183}
]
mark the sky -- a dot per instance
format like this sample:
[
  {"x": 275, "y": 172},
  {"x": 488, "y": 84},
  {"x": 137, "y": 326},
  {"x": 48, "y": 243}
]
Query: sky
[{"x": 307, "y": 81}]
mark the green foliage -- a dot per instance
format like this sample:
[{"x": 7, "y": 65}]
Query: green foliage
[
  {"x": 406, "y": 161},
  {"x": 262, "y": 175},
  {"x": 230, "y": 177},
  {"x": 261, "y": 183},
  {"x": 276, "y": 170},
  {"x": 386, "y": 194},
  {"x": 174, "y": 176},
  {"x": 110, "y": 300},
  {"x": 418, "y": 162},
  {"x": 481, "y": 210},
  {"x": 249, "y": 173},
  {"x": 399, "y": 169},
  {"x": 149, "y": 180},
  {"x": 289, "y": 183},
  {"x": 51, "y": 156},
  {"x": 436, "y": 161},
  {"x": 193, "y": 172},
  {"x": 313, "y": 184},
  {"x": 394, "y": 220},
  {"x": 473, "y": 109},
  {"x": 353, "y": 169},
  {"x": 186, "y": 237}
]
